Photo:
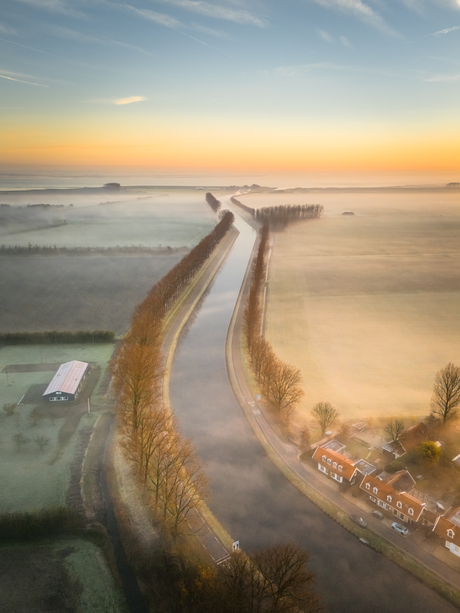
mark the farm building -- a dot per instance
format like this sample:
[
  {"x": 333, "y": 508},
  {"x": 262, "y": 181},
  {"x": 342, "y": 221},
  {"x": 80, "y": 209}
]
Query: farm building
[{"x": 67, "y": 382}]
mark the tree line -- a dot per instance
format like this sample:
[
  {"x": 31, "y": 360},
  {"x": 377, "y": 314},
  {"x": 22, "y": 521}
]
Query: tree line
[
  {"x": 278, "y": 217},
  {"x": 213, "y": 202},
  {"x": 279, "y": 382},
  {"x": 57, "y": 337},
  {"x": 248, "y": 209},
  {"x": 164, "y": 462},
  {"x": 275, "y": 580},
  {"x": 54, "y": 250}
]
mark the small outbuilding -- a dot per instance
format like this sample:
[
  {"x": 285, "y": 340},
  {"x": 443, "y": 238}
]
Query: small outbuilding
[{"x": 67, "y": 382}]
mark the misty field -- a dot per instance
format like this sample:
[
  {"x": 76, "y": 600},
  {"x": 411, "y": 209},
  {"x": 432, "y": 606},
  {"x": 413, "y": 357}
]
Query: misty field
[
  {"x": 76, "y": 292},
  {"x": 86, "y": 290},
  {"x": 367, "y": 305},
  {"x": 149, "y": 217}
]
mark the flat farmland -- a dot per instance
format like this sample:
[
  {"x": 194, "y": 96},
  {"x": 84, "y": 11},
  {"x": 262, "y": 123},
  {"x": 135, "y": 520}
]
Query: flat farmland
[
  {"x": 81, "y": 292},
  {"x": 142, "y": 216},
  {"x": 86, "y": 290},
  {"x": 367, "y": 306}
]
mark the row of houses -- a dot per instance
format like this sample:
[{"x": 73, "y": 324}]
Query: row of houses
[{"x": 391, "y": 493}]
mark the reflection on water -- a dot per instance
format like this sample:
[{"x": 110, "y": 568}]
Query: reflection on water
[{"x": 251, "y": 498}]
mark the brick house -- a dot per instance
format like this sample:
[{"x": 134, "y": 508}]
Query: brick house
[
  {"x": 448, "y": 528},
  {"x": 384, "y": 490}
]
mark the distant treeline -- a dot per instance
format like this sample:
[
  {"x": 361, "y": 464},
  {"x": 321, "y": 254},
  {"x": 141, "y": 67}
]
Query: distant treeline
[
  {"x": 42, "y": 205},
  {"x": 53, "y": 250},
  {"x": 278, "y": 217},
  {"x": 38, "y": 525},
  {"x": 57, "y": 337},
  {"x": 248, "y": 209},
  {"x": 213, "y": 202}
]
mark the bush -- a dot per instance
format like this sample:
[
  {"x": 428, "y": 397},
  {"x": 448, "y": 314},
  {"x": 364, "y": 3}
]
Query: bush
[{"x": 9, "y": 408}]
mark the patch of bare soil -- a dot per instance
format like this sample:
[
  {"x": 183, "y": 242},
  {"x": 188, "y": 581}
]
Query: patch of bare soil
[{"x": 33, "y": 580}]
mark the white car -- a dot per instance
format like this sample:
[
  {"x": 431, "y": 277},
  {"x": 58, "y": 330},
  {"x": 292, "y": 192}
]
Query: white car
[{"x": 401, "y": 529}]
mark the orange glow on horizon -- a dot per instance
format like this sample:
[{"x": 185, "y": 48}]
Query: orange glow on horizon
[{"x": 217, "y": 148}]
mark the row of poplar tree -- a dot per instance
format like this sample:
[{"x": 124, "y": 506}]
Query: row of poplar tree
[
  {"x": 279, "y": 382},
  {"x": 163, "y": 460}
]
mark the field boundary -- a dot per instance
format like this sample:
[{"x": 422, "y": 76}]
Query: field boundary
[{"x": 405, "y": 560}]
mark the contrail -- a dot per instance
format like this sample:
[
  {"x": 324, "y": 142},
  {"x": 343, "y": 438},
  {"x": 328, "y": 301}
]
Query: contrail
[{"x": 20, "y": 81}]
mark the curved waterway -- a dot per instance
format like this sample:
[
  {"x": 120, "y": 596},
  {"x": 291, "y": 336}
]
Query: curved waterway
[{"x": 255, "y": 503}]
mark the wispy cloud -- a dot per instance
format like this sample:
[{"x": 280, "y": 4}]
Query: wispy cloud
[
  {"x": 129, "y": 100},
  {"x": 325, "y": 36},
  {"x": 8, "y": 76},
  {"x": 8, "y": 30},
  {"x": 171, "y": 22},
  {"x": 304, "y": 69},
  {"x": 446, "y": 31},
  {"x": 240, "y": 16},
  {"x": 54, "y": 6},
  {"x": 443, "y": 78},
  {"x": 362, "y": 11},
  {"x": 344, "y": 40},
  {"x": 119, "y": 101},
  {"x": 69, "y": 34}
]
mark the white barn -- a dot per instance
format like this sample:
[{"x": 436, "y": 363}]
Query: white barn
[{"x": 67, "y": 382}]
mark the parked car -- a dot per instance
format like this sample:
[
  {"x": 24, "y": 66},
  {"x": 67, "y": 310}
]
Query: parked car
[
  {"x": 377, "y": 514},
  {"x": 358, "y": 520},
  {"x": 401, "y": 529}
]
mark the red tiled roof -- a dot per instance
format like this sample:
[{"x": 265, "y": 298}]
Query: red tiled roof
[
  {"x": 348, "y": 467},
  {"x": 384, "y": 490},
  {"x": 442, "y": 526}
]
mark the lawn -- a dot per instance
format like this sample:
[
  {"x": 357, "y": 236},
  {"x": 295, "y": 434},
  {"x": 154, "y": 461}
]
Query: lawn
[{"x": 367, "y": 306}]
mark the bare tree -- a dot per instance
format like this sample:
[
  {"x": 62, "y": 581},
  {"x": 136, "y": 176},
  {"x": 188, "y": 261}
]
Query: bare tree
[
  {"x": 285, "y": 584},
  {"x": 325, "y": 415},
  {"x": 42, "y": 441},
  {"x": 394, "y": 428},
  {"x": 20, "y": 439},
  {"x": 283, "y": 387},
  {"x": 446, "y": 392}
]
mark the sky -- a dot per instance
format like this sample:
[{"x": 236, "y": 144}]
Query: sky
[{"x": 236, "y": 85}]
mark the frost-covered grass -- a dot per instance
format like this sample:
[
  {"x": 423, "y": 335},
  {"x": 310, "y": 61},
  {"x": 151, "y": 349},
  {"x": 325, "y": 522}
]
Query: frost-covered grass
[
  {"x": 34, "y": 478},
  {"x": 87, "y": 565}
]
